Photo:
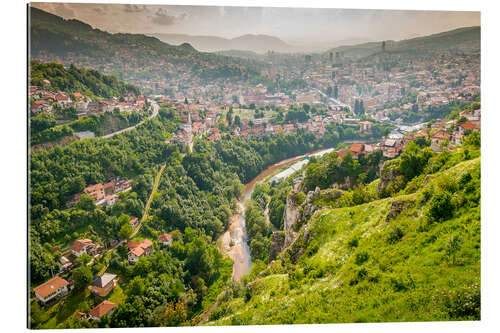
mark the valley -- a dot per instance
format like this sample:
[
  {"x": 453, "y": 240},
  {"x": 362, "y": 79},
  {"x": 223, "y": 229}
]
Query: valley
[{"x": 238, "y": 185}]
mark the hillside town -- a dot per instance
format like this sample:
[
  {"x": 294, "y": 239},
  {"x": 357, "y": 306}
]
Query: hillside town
[
  {"x": 171, "y": 187},
  {"x": 45, "y": 100}
]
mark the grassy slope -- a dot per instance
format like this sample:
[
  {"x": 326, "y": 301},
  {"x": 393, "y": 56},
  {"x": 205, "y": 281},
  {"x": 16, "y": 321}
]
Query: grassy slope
[{"x": 413, "y": 279}]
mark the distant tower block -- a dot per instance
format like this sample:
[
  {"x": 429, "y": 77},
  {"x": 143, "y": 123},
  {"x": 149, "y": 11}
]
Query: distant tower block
[
  {"x": 383, "y": 46},
  {"x": 331, "y": 56}
]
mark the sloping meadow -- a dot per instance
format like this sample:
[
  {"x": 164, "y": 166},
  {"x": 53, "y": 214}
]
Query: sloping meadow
[{"x": 409, "y": 257}]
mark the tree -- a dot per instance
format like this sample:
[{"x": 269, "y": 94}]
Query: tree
[
  {"x": 86, "y": 203},
  {"x": 125, "y": 231},
  {"x": 42, "y": 265},
  {"x": 124, "y": 219},
  {"x": 474, "y": 139},
  {"x": 237, "y": 121},
  {"x": 84, "y": 259},
  {"x": 82, "y": 277},
  {"x": 440, "y": 206},
  {"x": 175, "y": 315},
  {"x": 413, "y": 160}
]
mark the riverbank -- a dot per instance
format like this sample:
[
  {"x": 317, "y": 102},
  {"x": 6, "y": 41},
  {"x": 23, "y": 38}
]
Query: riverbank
[{"x": 233, "y": 242}]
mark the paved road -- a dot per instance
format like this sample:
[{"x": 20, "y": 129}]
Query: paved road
[{"x": 156, "y": 107}]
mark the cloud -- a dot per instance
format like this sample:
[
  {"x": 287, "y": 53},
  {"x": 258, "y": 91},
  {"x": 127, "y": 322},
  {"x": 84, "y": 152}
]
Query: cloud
[
  {"x": 162, "y": 17},
  {"x": 134, "y": 8},
  {"x": 63, "y": 10},
  {"x": 99, "y": 10}
]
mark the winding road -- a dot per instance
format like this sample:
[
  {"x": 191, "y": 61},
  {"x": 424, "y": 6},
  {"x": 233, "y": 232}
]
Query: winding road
[{"x": 156, "y": 107}]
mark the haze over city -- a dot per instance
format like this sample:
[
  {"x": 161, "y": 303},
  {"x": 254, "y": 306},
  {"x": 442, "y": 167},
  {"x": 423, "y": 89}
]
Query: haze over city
[{"x": 301, "y": 27}]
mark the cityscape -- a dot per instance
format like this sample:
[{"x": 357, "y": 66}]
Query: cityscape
[{"x": 273, "y": 184}]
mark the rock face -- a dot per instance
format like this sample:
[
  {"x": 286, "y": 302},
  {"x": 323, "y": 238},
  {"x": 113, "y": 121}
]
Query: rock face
[
  {"x": 295, "y": 220},
  {"x": 388, "y": 176},
  {"x": 290, "y": 217},
  {"x": 277, "y": 244},
  {"x": 396, "y": 208}
]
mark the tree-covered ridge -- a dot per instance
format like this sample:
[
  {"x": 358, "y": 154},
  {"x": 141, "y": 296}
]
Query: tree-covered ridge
[
  {"x": 136, "y": 55},
  {"x": 406, "y": 247},
  {"x": 462, "y": 39},
  {"x": 88, "y": 82}
]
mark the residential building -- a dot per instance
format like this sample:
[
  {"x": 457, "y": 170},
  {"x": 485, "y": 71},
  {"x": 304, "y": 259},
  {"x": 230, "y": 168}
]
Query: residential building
[
  {"x": 103, "y": 284},
  {"x": 165, "y": 239},
  {"x": 81, "y": 246},
  {"x": 95, "y": 191},
  {"x": 103, "y": 309},
  {"x": 54, "y": 288},
  {"x": 139, "y": 250}
]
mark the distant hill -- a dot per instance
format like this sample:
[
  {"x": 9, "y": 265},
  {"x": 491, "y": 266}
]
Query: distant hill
[
  {"x": 253, "y": 43},
  {"x": 462, "y": 39},
  {"x": 135, "y": 58},
  {"x": 86, "y": 81},
  {"x": 242, "y": 54}
]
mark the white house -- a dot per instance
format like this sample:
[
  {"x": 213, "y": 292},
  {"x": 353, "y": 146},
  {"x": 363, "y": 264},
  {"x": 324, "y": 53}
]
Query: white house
[{"x": 55, "y": 287}]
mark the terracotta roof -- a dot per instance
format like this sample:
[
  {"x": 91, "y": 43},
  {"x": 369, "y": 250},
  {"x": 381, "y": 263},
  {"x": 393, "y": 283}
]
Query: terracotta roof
[
  {"x": 146, "y": 243},
  {"x": 132, "y": 245},
  {"x": 78, "y": 245},
  {"x": 164, "y": 238},
  {"x": 138, "y": 248},
  {"x": 357, "y": 147},
  {"x": 92, "y": 188},
  {"x": 470, "y": 125},
  {"x": 39, "y": 102},
  {"x": 102, "y": 309},
  {"x": 80, "y": 314},
  {"x": 103, "y": 280},
  {"x": 50, "y": 286},
  {"x": 441, "y": 135},
  {"x": 138, "y": 251}
]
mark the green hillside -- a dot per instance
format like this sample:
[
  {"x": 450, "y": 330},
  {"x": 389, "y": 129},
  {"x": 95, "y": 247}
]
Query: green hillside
[
  {"x": 412, "y": 256},
  {"x": 85, "y": 81},
  {"x": 462, "y": 39}
]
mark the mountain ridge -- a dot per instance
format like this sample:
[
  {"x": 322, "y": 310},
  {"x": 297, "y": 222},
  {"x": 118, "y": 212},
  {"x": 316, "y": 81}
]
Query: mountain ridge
[{"x": 258, "y": 43}]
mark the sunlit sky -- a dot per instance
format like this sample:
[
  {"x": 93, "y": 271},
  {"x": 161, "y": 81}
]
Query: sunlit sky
[{"x": 289, "y": 24}]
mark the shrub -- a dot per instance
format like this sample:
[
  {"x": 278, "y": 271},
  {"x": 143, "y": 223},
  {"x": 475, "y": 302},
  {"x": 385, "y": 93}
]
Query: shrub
[
  {"x": 395, "y": 235},
  {"x": 361, "y": 257},
  {"x": 440, "y": 207},
  {"x": 299, "y": 198},
  {"x": 353, "y": 241}
]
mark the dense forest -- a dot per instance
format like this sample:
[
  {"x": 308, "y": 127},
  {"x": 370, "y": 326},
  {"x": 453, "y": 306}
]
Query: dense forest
[{"x": 88, "y": 82}]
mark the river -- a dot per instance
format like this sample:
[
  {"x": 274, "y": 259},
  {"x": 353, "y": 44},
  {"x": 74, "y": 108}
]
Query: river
[{"x": 234, "y": 242}]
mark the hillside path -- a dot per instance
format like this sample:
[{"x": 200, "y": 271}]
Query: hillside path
[{"x": 154, "y": 114}]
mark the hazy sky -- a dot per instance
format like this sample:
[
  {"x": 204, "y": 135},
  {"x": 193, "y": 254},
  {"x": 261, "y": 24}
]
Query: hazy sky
[{"x": 290, "y": 24}]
